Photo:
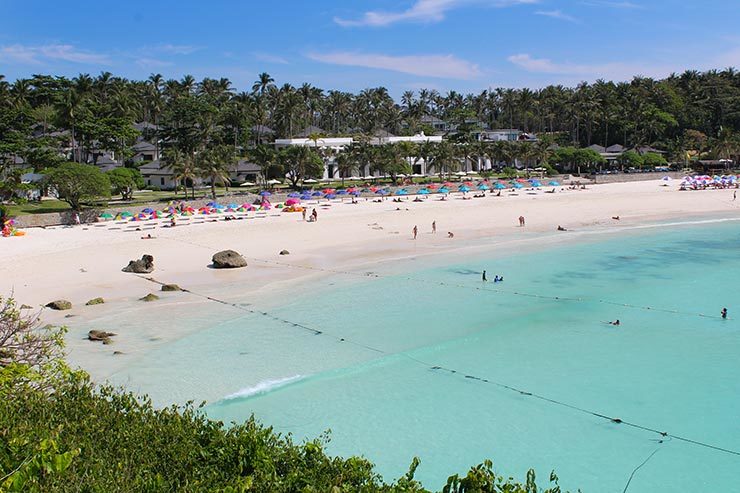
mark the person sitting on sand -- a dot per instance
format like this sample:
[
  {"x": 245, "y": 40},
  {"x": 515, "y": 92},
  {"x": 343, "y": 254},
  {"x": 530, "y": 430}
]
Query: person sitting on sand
[
  {"x": 450, "y": 234},
  {"x": 560, "y": 228},
  {"x": 148, "y": 237},
  {"x": 173, "y": 222},
  {"x": 616, "y": 218}
]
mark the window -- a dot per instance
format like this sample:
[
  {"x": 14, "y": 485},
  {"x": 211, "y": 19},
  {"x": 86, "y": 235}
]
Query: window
[{"x": 161, "y": 181}]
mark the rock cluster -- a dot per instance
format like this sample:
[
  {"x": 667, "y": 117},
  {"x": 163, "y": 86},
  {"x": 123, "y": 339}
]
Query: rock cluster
[
  {"x": 150, "y": 297},
  {"x": 171, "y": 287},
  {"x": 59, "y": 305},
  {"x": 144, "y": 265},
  {"x": 100, "y": 335},
  {"x": 228, "y": 259},
  {"x": 95, "y": 301}
]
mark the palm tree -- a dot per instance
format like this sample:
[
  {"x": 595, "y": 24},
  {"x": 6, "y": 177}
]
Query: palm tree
[
  {"x": 346, "y": 164},
  {"x": 182, "y": 166},
  {"x": 264, "y": 157},
  {"x": 214, "y": 164}
]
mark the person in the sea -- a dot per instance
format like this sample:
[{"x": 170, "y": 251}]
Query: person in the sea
[
  {"x": 495, "y": 278},
  {"x": 724, "y": 313},
  {"x": 434, "y": 226},
  {"x": 521, "y": 221},
  {"x": 415, "y": 231},
  {"x": 616, "y": 322},
  {"x": 484, "y": 277}
]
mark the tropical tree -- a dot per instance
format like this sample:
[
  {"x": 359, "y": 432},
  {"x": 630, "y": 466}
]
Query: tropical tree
[
  {"x": 299, "y": 163},
  {"x": 76, "y": 183},
  {"x": 182, "y": 166},
  {"x": 124, "y": 181},
  {"x": 215, "y": 164}
]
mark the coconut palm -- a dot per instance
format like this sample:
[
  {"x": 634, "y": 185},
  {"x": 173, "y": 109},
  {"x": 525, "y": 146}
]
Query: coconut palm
[
  {"x": 182, "y": 166},
  {"x": 215, "y": 164}
]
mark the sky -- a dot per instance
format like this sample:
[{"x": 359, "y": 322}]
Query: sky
[{"x": 461, "y": 45}]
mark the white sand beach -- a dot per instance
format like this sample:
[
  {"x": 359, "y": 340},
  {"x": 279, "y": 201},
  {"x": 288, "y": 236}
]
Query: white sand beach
[{"x": 83, "y": 262}]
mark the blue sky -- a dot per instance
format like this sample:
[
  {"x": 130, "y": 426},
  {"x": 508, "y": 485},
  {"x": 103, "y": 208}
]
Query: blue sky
[{"x": 465, "y": 45}]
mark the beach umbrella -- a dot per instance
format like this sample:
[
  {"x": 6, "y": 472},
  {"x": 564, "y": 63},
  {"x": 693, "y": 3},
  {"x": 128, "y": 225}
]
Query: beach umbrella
[
  {"x": 483, "y": 186},
  {"x": 666, "y": 178},
  {"x": 331, "y": 196},
  {"x": 316, "y": 194},
  {"x": 293, "y": 195},
  {"x": 148, "y": 210},
  {"x": 126, "y": 214},
  {"x": 518, "y": 185},
  {"x": 432, "y": 186},
  {"x": 499, "y": 186},
  {"x": 381, "y": 192},
  {"x": 535, "y": 183},
  {"x": 468, "y": 183},
  {"x": 265, "y": 193},
  {"x": 553, "y": 183},
  {"x": 342, "y": 192},
  {"x": 327, "y": 191},
  {"x": 351, "y": 189},
  {"x": 305, "y": 196},
  {"x": 443, "y": 190},
  {"x": 356, "y": 193},
  {"x": 463, "y": 189},
  {"x": 423, "y": 191},
  {"x": 401, "y": 191},
  {"x": 106, "y": 215},
  {"x": 448, "y": 184}
]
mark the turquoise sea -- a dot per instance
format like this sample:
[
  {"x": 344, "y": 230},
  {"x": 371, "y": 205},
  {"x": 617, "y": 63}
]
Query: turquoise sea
[{"x": 421, "y": 358}]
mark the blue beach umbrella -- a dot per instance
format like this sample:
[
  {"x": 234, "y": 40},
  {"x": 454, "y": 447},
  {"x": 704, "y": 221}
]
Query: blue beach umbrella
[
  {"x": 553, "y": 183},
  {"x": 382, "y": 192},
  {"x": 316, "y": 194},
  {"x": 148, "y": 210},
  {"x": 463, "y": 189},
  {"x": 443, "y": 190},
  {"x": 535, "y": 183},
  {"x": 499, "y": 186},
  {"x": 265, "y": 193},
  {"x": 305, "y": 196},
  {"x": 342, "y": 192},
  {"x": 423, "y": 191},
  {"x": 483, "y": 186},
  {"x": 518, "y": 185},
  {"x": 331, "y": 196},
  {"x": 401, "y": 191},
  {"x": 356, "y": 193},
  {"x": 293, "y": 195}
]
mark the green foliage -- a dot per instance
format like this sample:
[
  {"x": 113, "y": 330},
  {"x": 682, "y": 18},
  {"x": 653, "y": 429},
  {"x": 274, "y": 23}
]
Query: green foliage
[
  {"x": 124, "y": 181},
  {"x": 508, "y": 172},
  {"x": 652, "y": 159},
  {"x": 630, "y": 158},
  {"x": 299, "y": 163},
  {"x": 76, "y": 183}
]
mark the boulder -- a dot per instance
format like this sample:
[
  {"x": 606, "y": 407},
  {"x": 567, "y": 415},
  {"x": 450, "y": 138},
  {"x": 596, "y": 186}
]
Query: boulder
[
  {"x": 150, "y": 297},
  {"x": 228, "y": 259},
  {"x": 145, "y": 265},
  {"x": 59, "y": 305},
  {"x": 171, "y": 287},
  {"x": 100, "y": 335},
  {"x": 284, "y": 252},
  {"x": 95, "y": 301},
  {"x": 26, "y": 307}
]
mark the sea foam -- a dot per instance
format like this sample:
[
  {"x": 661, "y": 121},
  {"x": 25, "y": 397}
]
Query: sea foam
[{"x": 263, "y": 387}]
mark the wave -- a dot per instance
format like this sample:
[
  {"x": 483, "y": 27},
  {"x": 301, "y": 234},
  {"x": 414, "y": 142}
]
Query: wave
[{"x": 263, "y": 387}]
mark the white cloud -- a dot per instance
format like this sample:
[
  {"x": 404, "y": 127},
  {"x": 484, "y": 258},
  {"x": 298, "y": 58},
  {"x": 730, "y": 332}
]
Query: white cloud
[
  {"x": 267, "y": 57},
  {"x": 557, "y": 14},
  {"x": 423, "y": 11},
  {"x": 442, "y": 66},
  {"x": 609, "y": 70},
  {"x": 172, "y": 49},
  {"x": 36, "y": 55},
  {"x": 614, "y": 5},
  {"x": 152, "y": 63}
]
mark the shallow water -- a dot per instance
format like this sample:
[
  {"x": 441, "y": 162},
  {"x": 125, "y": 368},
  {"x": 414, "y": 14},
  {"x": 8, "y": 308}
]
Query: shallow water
[{"x": 370, "y": 378}]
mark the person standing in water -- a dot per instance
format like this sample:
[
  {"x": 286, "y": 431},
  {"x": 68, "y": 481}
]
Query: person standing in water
[
  {"x": 415, "y": 231},
  {"x": 724, "y": 313},
  {"x": 434, "y": 227},
  {"x": 484, "y": 276}
]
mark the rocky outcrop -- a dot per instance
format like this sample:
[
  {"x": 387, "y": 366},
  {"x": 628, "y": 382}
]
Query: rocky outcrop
[
  {"x": 228, "y": 259},
  {"x": 100, "y": 335},
  {"x": 144, "y": 265},
  {"x": 59, "y": 305},
  {"x": 150, "y": 297},
  {"x": 284, "y": 252},
  {"x": 95, "y": 301},
  {"x": 171, "y": 287}
]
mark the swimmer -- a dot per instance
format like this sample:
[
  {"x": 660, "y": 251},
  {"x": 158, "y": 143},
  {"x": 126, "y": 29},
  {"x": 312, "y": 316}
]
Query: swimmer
[
  {"x": 724, "y": 313},
  {"x": 495, "y": 279},
  {"x": 616, "y": 322}
]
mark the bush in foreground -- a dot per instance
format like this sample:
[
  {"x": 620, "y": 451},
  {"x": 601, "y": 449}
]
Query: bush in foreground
[{"x": 71, "y": 435}]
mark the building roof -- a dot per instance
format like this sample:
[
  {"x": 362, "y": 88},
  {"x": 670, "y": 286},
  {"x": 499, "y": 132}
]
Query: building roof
[
  {"x": 646, "y": 149},
  {"x": 597, "y": 148},
  {"x": 142, "y": 126},
  {"x": 311, "y": 129},
  {"x": 382, "y": 133},
  {"x": 262, "y": 130},
  {"x": 615, "y": 148},
  {"x": 243, "y": 166},
  {"x": 155, "y": 168},
  {"x": 144, "y": 146}
]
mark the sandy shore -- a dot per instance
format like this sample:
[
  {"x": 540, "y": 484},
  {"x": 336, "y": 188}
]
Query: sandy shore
[{"x": 84, "y": 262}]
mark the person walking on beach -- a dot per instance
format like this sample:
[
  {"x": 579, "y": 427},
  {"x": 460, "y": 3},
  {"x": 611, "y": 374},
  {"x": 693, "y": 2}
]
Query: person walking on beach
[
  {"x": 415, "y": 231},
  {"x": 521, "y": 221},
  {"x": 434, "y": 227},
  {"x": 303, "y": 213},
  {"x": 734, "y": 195},
  {"x": 485, "y": 279},
  {"x": 314, "y": 215}
]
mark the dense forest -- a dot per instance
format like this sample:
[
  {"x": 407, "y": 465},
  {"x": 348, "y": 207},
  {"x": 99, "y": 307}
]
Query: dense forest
[{"x": 204, "y": 127}]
